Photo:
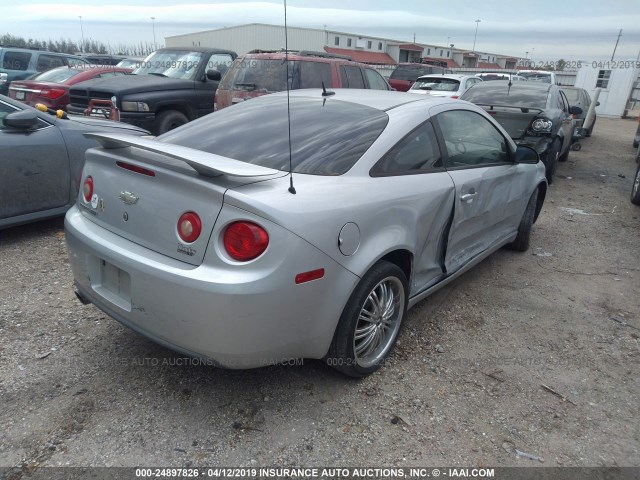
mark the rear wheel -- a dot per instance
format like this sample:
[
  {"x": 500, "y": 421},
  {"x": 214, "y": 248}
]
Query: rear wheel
[
  {"x": 565, "y": 156},
  {"x": 370, "y": 322},
  {"x": 635, "y": 190},
  {"x": 550, "y": 159},
  {"x": 169, "y": 119},
  {"x": 521, "y": 243}
]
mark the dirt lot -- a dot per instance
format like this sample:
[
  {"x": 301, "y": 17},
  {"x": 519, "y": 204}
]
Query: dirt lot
[{"x": 463, "y": 388}]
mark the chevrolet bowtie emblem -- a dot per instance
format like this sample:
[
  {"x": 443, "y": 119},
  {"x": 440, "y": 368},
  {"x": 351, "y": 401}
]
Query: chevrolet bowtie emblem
[{"x": 129, "y": 198}]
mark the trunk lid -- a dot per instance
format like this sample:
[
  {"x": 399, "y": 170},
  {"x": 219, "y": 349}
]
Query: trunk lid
[
  {"x": 515, "y": 120},
  {"x": 141, "y": 187}
]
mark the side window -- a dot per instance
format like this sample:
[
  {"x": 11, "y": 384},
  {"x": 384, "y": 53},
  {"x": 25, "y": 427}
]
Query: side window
[
  {"x": 471, "y": 139},
  {"x": 375, "y": 80},
  {"x": 16, "y": 60},
  {"x": 312, "y": 74},
  {"x": 418, "y": 152},
  {"x": 354, "y": 77},
  {"x": 47, "y": 62},
  {"x": 220, "y": 62},
  {"x": 469, "y": 83}
]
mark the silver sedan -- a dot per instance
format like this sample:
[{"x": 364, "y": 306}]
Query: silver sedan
[{"x": 228, "y": 240}]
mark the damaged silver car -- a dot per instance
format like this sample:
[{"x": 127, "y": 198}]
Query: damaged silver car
[{"x": 229, "y": 240}]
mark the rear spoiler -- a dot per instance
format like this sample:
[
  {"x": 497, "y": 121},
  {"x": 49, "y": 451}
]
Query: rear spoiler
[
  {"x": 522, "y": 109},
  {"x": 206, "y": 164}
]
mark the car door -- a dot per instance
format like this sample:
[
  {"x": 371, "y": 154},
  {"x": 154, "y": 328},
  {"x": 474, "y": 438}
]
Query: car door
[
  {"x": 490, "y": 189},
  {"x": 35, "y": 168},
  {"x": 414, "y": 166},
  {"x": 205, "y": 89}
]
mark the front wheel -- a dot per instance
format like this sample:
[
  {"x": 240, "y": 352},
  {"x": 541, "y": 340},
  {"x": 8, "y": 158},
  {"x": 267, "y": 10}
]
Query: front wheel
[
  {"x": 169, "y": 119},
  {"x": 635, "y": 190},
  {"x": 369, "y": 325},
  {"x": 550, "y": 159},
  {"x": 521, "y": 243}
]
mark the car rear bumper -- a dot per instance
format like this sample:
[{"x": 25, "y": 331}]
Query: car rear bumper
[{"x": 236, "y": 317}]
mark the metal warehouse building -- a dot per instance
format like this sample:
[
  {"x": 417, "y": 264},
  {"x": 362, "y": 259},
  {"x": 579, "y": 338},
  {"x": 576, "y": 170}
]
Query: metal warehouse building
[{"x": 361, "y": 48}]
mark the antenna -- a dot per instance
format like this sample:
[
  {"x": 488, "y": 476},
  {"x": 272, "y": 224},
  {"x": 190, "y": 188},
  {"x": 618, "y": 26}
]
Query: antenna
[{"x": 291, "y": 189}]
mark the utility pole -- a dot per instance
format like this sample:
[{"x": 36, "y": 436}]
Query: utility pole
[
  {"x": 615, "y": 48},
  {"x": 81, "y": 33},
  {"x": 153, "y": 26},
  {"x": 476, "y": 35}
]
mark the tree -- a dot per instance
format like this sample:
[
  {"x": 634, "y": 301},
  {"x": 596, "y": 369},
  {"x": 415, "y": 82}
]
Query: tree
[{"x": 561, "y": 64}]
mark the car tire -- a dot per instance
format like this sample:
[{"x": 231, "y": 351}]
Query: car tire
[
  {"x": 375, "y": 312},
  {"x": 565, "y": 156},
  {"x": 168, "y": 120},
  {"x": 635, "y": 144},
  {"x": 635, "y": 190},
  {"x": 550, "y": 159},
  {"x": 521, "y": 243}
]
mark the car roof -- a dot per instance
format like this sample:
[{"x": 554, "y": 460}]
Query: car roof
[
  {"x": 453, "y": 76},
  {"x": 378, "y": 99},
  {"x": 194, "y": 49}
]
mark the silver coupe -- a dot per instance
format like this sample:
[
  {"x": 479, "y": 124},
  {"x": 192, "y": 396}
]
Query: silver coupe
[{"x": 228, "y": 240}]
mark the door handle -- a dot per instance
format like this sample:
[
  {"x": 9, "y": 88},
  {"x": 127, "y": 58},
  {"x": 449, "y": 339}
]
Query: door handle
[{"x": 468, "y": 197}]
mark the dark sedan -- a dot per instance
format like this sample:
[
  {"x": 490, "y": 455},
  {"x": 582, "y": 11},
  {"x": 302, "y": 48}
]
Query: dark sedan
[
  {"x": 533, "y": 113},
  {"x": 42, "y": 159}
]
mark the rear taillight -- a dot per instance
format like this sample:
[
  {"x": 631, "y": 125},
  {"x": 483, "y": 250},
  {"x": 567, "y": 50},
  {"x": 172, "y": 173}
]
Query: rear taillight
[
  {"x": 52, "y": 93},
  {"x": 245, "y": 241},
  {"x": 87, "y": 189},
  {"x": 455, "y": 96},
  {"x": 136, "y": 169},
  {"x": 189, "y": 227}
]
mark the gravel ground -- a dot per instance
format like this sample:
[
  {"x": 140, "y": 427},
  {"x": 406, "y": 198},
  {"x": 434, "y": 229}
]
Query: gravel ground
[{"x": 464, "y": 386}]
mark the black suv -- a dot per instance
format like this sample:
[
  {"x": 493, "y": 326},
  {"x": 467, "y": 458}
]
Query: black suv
[
  {"x": 20, "y": 63},
  {"x": 255, "y": 74},
  {"x": 171, "y": 87}
]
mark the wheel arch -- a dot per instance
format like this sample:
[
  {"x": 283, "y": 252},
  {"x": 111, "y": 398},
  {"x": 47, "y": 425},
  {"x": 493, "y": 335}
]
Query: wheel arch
[{"x": 542, "y": 193}]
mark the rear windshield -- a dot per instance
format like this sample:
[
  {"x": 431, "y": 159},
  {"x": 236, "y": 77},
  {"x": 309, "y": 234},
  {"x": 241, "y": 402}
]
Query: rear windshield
[
  {"x": 412, "y": 72},
  {"x": 437, "y": 84},
  {"x": 536, "y": 77},
  {"x": 327, "y": 136},
  {"x": 16, "y": 60},
  {"x": 267, "y": 76},
  {"x": 500, "y": 94},
  {"x": 56, "y": 75}
]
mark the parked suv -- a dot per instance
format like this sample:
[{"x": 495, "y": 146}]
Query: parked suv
[
  {"x": 171, "y": 87},
  {"x": 405, "y": 74},
  {"x": 21, "y": 63},
  {"x": 255, "y": 74}
]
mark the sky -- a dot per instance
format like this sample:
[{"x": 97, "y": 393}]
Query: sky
[{"x": 542, "y": 29}]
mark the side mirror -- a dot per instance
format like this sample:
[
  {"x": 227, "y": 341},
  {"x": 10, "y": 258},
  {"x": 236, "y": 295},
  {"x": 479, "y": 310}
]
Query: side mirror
[
  {"x": 214, "y": 75},
  {"x": 597, "y": 104},
  {"x": 526, "y": 154},
  {"x": 22, "y": 120},
  {"x": 575, "y": 110}
]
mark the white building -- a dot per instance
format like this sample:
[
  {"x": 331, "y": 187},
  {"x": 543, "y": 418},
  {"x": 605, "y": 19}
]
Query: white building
[
  {"x": 361, "y": 48},
  {"x": 617, "y": 85}
]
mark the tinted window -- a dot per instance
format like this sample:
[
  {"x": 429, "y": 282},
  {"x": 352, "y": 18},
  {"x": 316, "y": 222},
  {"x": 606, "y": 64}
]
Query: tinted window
[
  {"x": 417, "y": 152},
  {"x": 500, "y": 94},
  {"x": 313, "y": 74},
  {"x": 471, "y": 139},
  {"x": 16, "y": 60},
  {"x": 412, "y": 72},
  {"x": 354, "y": 77},
  {"x": 220, "y": 62},
  {"x": 56, "y": 75},
  {"x": 47, "y": 62},
  {"x": 327, "y": 136},
  {"x": 375, "y": 80},
  {"x": 438, "y": 84}
]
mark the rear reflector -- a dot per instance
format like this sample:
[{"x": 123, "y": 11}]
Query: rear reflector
[
  {"x": 189, "y": 227},
  {"x": 308, "y": 276},
  {"x": 136, "y": 169}
]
